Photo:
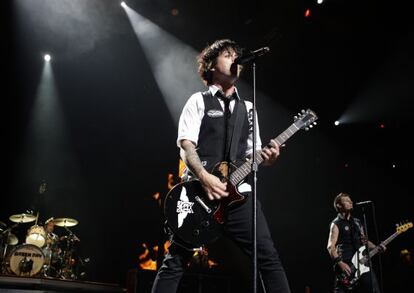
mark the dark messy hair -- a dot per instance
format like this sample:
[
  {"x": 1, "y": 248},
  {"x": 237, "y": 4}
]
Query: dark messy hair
[
  {"x": 338, "y": 198},
  {"x": 207, "y": 58}
]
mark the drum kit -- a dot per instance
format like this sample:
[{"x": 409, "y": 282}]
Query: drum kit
[{"x": 43, "y": 253}]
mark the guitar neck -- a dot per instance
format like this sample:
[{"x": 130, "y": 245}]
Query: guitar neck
[
  {"x": 241, "y": 172},
  {"x": 385, "y": 242}
]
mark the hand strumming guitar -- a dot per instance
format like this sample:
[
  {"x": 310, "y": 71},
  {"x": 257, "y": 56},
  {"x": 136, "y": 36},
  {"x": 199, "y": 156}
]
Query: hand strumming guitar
[{"x": 212, "y": 185}]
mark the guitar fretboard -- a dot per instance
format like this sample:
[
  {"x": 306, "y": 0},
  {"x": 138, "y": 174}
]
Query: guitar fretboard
[
  {"x": 385, "y": 242},
  {"x": 241, "y": 172}
]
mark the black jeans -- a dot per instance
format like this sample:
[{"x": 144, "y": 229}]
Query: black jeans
[{"x": 238, "y": 227}]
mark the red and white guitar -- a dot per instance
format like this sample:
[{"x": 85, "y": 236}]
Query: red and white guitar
[{"x": 195, "y": 219}]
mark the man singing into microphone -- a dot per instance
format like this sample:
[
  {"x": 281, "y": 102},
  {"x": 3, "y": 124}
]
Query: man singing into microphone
[
  {"x": 214, "y": 126},
  {"x": 346, "y": 236}
]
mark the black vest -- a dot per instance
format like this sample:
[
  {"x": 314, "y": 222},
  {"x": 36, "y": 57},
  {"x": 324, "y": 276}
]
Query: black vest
[
  {"x": 211, "y": 139},
  {"x": 349, "y": 237}
]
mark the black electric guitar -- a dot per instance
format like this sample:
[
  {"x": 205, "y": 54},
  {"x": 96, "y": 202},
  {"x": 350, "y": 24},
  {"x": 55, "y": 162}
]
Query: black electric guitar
[
  {"x": 195, "y": 219},
  {"x": 360, "y": 260}
]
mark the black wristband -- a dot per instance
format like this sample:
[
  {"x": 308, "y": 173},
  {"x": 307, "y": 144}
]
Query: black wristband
[{"x": 336, "y": 260}]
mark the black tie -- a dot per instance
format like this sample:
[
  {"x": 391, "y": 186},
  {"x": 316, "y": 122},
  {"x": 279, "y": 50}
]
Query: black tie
[
  {"x": 226, "y": 108},
  {"x": 227, "y": 115},
  {"x": 226, "y": 101}
]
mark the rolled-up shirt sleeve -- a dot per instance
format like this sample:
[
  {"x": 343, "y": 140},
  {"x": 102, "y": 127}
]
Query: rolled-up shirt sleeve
[{"x": 190, "y": 119}]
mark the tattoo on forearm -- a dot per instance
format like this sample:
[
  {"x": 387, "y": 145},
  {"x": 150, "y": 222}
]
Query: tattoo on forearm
[{"x": 192, "y": 160}]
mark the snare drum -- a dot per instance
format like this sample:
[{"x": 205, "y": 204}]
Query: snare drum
[
  {"x": 26, "y": 260},
  {"x": 36, "y": 235}
]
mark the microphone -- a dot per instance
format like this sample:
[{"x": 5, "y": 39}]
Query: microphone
[
  {"x": 252, "y": 55},
  {"x": 363, "y": 202}
]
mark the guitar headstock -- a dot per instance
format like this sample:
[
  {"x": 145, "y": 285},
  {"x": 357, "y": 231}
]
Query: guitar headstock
[
  {"x": 305, "y": 119},
  {"x": 403, "y": 227}
]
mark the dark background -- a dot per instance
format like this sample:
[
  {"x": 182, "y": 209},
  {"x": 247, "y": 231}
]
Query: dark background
[{"x": 111, "y": 145}]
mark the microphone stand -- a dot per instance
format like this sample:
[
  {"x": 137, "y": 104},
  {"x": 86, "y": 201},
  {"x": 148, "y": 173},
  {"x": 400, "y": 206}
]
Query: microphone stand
[
  {"x": 374, "y": 217},
  {"x": 254, "y": 197},
  {"x": 367, "y": 251},
  {"x": 252, "y": 57}
]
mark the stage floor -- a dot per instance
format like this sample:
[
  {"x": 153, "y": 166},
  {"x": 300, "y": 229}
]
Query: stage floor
[{"x": 14, "y": 284}]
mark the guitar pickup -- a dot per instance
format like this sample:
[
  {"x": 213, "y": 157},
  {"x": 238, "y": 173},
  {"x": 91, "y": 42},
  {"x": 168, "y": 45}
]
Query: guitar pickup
[{"x": 202, "y": 203}]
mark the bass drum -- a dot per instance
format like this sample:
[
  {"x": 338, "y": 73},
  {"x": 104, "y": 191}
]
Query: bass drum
[{"x": 26, "y": 260}]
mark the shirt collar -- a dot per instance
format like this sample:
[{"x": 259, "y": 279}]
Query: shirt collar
[{"x": 214, "y": 89}]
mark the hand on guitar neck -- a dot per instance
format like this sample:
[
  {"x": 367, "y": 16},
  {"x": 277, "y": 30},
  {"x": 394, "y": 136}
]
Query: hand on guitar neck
[
  {"x": 270, "y": 153},
  {"x": 380, "y": 247}
]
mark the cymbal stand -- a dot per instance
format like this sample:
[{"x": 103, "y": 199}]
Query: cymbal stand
[
  {"x": 5, "y": 240},
  {"x": 71, "y": 234},
  {"x": 3, "y": 258},
  {"x": 37, "y": 218}
]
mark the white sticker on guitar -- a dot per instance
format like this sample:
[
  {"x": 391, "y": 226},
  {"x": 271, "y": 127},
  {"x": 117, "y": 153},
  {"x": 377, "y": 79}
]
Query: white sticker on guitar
[
  {"x": 244, "y": 187},
  {"x": 184, "y": 207}
]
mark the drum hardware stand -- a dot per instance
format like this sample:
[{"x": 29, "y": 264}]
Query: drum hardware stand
[
  {"x": 37, "y": 218},
  {"x": 71, "y": 234},
  {"x": 3, "y": 260},
  {"x": 66, "y": 271},
  {"x": 5, "y": 236}
]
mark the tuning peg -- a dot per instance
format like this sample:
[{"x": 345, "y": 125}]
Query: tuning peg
[
  {"x": 306, "y": 128},
  {"x": 314, "y": 123},
  {"x": 303, "y": 111},
  {"x": 295, "y": 117},
  {"x": 310, "y": 126}
]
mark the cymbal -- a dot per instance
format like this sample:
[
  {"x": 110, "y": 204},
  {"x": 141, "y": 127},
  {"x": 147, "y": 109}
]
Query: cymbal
[
  {"x": 12, "y": 239},
  {"x": 65, "y": 222},
  {"x": 22, "y": 218}
]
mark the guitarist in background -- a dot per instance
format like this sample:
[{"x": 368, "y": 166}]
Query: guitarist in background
[
  {"x": 345, "y": 238},
  {"x": 207, "y": 135}
]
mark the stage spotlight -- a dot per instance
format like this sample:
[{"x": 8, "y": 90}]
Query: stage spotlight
[
  {"x": 123, "y": 4},
  {"x": 47, "y": 57},
  {"x": 307, "y": 13},
  {"x": 320, "y": 1},
  {"x": 336, "y": 123}
]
